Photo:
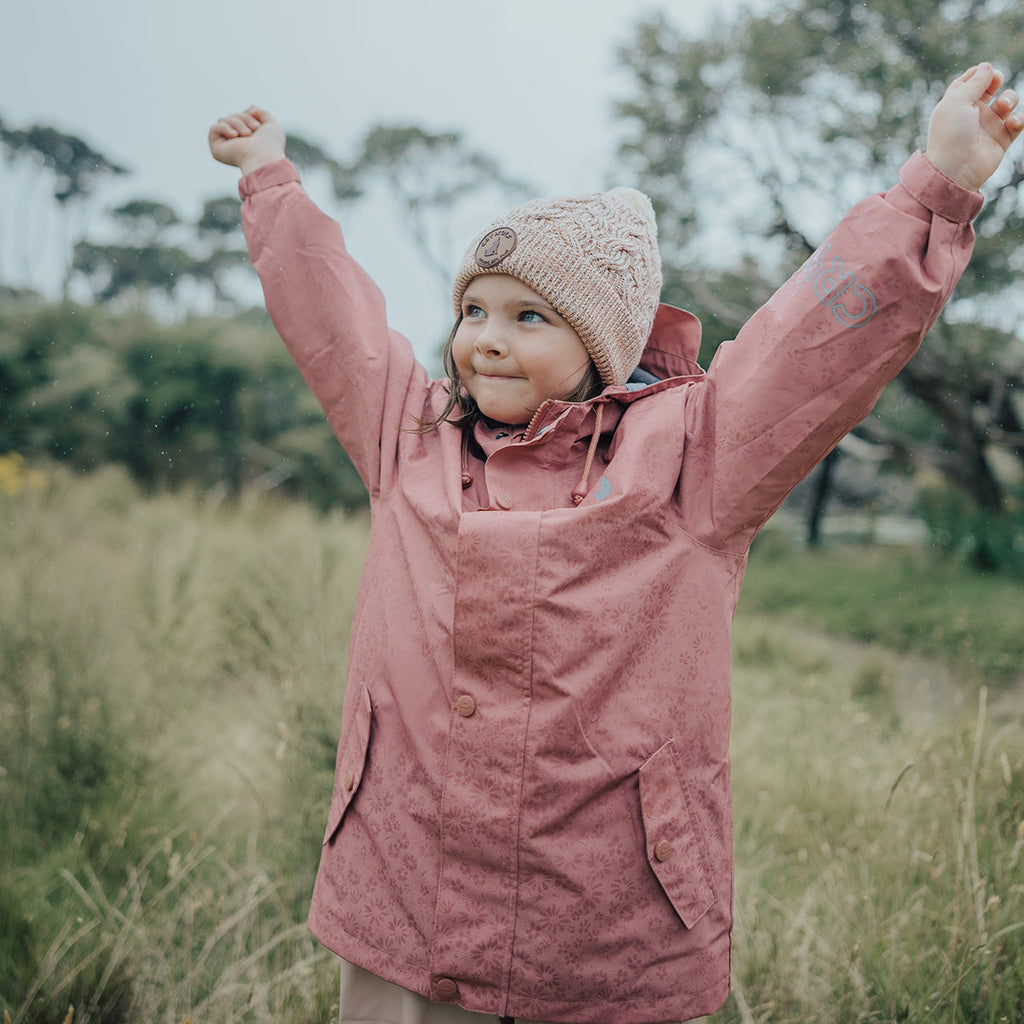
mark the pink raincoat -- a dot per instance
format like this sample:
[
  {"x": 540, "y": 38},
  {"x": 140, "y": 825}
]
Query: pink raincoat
[{"x": 531, "y": 815}]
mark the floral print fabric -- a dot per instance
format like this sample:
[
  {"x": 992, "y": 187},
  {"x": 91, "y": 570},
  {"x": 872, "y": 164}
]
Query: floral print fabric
[{"x": 531, "y": 815}]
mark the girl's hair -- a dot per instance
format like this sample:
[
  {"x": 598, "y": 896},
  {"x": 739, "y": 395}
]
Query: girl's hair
[{"x": 461, "y": 411}]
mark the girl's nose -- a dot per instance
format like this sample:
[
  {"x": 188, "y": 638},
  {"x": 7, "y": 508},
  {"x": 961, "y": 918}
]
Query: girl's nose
[{"x": 491, "y": 340}]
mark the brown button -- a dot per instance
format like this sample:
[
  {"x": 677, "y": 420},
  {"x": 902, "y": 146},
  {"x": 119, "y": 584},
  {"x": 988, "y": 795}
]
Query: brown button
[
  {"x": 465, "y": 705},
  {"x": 446, "y": 989},
  {"x": 503, "y": 500},
  {"x": 663, "y": 850},
  {"x": 349, "y": 781}
]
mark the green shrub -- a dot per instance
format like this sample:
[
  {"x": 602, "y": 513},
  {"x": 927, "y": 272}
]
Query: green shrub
[
  {"x": 899, "y": 597},
  {"x": 987, "y": 541},
  {"x": 211, "y": 403}
]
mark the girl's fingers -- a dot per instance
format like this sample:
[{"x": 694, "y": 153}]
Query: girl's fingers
[
  {"x": 223, "y": 129},
  {"x": 238, "y": 124},
  {"x": 994, "y": 85},
  {"x": 1006, "y": 102},
  {"x": 1013, "y": 119},
  {"x": 253, "y": 117},
  {"x": 980, "y": 82},
  {"x": 1005, "y": 109},
  {"x": 245, "y": 123}
]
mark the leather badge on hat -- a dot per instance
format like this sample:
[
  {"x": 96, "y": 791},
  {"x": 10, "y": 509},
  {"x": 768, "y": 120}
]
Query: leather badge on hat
[{"x": 494, "y": 247}]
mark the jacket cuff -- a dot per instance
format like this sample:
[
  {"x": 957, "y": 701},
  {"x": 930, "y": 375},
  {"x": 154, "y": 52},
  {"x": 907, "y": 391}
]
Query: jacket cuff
[
  {"x": 280, "y": 172},
  {"x": 938, "y": 192}
]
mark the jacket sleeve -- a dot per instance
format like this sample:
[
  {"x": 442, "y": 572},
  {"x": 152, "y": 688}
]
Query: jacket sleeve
[
  {"x": 812, "y": 362},
  {"x": 331, "y": 316}
]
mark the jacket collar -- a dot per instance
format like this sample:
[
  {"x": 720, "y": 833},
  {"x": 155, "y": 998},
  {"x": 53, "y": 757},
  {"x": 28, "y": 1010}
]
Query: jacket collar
[{"x": 673, "y": 345}]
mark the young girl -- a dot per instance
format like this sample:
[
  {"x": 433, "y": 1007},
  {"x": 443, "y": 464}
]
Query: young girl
[{"x": 531, "y": 815}]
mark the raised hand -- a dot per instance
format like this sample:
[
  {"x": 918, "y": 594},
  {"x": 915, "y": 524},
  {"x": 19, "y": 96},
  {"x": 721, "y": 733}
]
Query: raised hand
[
  {"x": 970, "y": 130},
  {"x": 247, "y": 140}
]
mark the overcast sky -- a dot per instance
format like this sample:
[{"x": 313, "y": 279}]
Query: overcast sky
[{"x": 531, "y": 82}]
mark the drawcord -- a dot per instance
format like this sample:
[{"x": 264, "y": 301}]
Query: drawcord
[
  {"x": 467, "y": 478},
  {"x": 579, "y": 492}
]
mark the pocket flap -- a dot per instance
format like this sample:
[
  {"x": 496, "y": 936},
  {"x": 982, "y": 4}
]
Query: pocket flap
[
  {"x": 676, "y": 849},
  {"x": 351, "y": 764}
]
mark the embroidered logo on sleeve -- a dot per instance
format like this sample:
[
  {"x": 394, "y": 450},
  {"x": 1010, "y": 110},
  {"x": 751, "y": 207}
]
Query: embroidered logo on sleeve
[{"x": 852, "y": 303}]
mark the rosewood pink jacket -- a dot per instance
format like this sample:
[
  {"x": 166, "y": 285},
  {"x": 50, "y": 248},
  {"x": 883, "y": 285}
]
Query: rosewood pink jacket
[{"x": 531, "y": 815}]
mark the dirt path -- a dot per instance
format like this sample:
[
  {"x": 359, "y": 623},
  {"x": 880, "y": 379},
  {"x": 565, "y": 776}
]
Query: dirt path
[{"x": 920, "y": 687}]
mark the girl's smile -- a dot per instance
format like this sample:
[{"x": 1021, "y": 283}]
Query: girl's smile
[{"x": 512, "y": 349}]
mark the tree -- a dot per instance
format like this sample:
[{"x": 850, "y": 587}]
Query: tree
[
  {"x": 160, "y": 254},
  {"x": 145, "y": 219},
  {"x": 751, "y": 141},
  {"x": 429, "y": 174},
  {"x": 344, "y": 177},
  {"x": 219, "y": 228},
  {"x": 76, "y": 167},
  {"x": 137, "y": 272}
]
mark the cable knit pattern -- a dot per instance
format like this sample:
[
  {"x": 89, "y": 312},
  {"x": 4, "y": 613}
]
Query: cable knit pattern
[{"x": 594, "y": 258}]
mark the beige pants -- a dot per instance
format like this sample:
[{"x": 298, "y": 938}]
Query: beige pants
[{"x": 367, "y": 999}]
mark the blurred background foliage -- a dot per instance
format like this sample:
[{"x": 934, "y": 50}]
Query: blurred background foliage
[
  {"x": 212, "y": 403},
  {"x": 751, "y": 138}
]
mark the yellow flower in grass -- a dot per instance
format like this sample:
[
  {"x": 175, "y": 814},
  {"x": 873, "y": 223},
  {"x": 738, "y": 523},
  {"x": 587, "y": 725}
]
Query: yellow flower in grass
[{"x": 15, "y": 476}]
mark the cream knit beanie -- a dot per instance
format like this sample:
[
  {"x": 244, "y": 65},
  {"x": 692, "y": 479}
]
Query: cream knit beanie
[{"x": 593, "y": 257}]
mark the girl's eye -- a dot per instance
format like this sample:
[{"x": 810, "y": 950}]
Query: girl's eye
[
  {"x": 531, "y": 316},
  {"x": 473, "y": 311}
]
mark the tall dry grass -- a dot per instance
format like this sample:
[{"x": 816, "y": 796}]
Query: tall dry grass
[
  {"x": 170, "y": 692},
  {"x": 879, "y": 840},
  {"x": 171, "y": 676}
]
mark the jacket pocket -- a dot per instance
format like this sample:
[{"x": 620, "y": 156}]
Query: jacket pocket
[
  {"x": 351, "y": 764},
  {"x": 676, "y": 849}
]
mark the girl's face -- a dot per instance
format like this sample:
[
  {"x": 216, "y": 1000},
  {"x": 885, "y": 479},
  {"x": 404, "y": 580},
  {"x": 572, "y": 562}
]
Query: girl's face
[{"x": 513, "y": 351}]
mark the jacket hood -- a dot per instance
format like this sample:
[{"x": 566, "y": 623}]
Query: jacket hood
[
  {"x": 673, "y": 345},
  {"x": 670, "y": 353}
]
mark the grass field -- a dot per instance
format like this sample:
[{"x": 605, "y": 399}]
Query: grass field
[{"x": 170, "y": 691}]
